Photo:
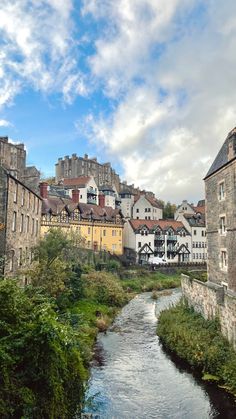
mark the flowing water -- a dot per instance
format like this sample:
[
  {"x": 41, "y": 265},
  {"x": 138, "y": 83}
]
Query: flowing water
[{"x": 133, "y": 377}]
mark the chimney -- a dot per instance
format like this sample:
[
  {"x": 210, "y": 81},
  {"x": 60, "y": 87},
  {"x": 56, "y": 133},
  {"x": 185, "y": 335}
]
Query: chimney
[
  {"x": 101, "y": 200},
  {"x": 75, "y": 196},
  {"x": 43, "y": 188}
]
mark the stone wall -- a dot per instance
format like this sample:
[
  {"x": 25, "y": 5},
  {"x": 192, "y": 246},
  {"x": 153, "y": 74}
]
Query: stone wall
[{"x": 212, "y": 300}]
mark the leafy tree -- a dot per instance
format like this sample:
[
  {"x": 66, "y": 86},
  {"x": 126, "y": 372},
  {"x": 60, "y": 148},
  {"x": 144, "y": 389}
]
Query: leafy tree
[
  {"x": 169, "y": 210},
  {"x": 41, "y": 370}
]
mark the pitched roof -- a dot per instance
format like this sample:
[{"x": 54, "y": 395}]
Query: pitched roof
[
  {"x": 195, "y": 221},
  {"x": 80, "y": 181},
  {"x": 200, "y": 209},
  {"x": 153, "y": 201},
  {"x": 150, "y": 224},
  {"x": 222, "y": 157},
  {"x": 55, "y": 205}
]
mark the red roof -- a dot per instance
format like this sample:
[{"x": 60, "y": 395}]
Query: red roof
[
  {"x": 199, "y": 209},
  {"x": 80, "y": 181},
  {"x": 163, "y": 224}
]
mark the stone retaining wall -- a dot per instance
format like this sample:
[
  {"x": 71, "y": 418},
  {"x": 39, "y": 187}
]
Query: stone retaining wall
[{"x": 212, "y": 300}]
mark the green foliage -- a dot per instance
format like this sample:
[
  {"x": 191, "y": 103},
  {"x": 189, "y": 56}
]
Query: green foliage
[
  {"x": 151, "y": 282},
  {"x": 168, "y": 210},
  {"x": 41, "y": 369},
  {"x": 104, "y": 288},
  {"x": 199, "y": 342}
]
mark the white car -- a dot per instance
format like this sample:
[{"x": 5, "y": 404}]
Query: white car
[{"x": 157, "y": 261}]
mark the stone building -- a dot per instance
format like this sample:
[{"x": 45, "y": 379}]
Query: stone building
[
  {"x": 13, "y": 158},
  {"x": 99, "y": 226},
  {"x": 20, "y": 217},
  {"x": 217, "y": 297},
  {"x": 74, "y": 166}
]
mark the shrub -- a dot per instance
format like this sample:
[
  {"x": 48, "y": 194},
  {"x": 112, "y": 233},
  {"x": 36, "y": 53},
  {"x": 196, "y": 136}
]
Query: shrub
[{"x": 104, "y": 288}]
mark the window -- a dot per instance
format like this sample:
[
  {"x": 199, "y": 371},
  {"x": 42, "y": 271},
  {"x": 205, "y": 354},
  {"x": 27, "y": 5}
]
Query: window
[
  {"x": 139, "y": 244},
  {"x": 113, "y": 233},
  {"x": 89, "y": 230},
  {"x": 193, "y": 244},
  {"x": 193, "y": 255},
  {"x": 27, "y": 224},
  {"x": 37, "y": 228},
  {"x": 221, "y": 191},
  {"x": 114, "y": 247},
  {"x": 223, "y": 260},
  {"x": 23, "y": 197},
  {"x": 11, "y": 261},
  {"x": 15, "y": 192},
  {"x": 32, "y": 232},
  {"x": 137, "y": 210},
  {"x": 137, "y": 218},
  {"x": 20, "y": 256},
  {"x": 222, "y": 225},
  {"x": 14, "y": 221},
  {"x": 195, "y": 232},
  {"x": 104, "y": 233},
  {"x": 203, "y": 233},
  {"x": 22, "y": 223}
]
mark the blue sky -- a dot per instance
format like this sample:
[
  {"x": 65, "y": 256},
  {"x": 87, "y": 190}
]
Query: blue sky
[{"x": 147, "y": 84}]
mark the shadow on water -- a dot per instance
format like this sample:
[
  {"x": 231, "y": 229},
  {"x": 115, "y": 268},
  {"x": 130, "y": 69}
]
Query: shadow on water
[{"x": 223, "y": 402}]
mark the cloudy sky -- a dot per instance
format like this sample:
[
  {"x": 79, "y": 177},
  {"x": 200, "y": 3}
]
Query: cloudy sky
[{"x": 148, "y": 84}]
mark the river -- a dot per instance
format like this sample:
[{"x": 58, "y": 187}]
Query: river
[{"x": 133, "y": 377}]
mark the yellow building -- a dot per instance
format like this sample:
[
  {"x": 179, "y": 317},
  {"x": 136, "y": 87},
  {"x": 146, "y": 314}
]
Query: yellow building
[{"x": 101, "y": 227}]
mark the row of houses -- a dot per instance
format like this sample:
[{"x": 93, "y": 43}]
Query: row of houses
[{"x": 104, "y": 219}]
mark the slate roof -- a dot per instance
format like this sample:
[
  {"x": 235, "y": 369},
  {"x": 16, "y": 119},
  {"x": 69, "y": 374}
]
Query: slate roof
[
  {"x": 222, "y": 157},
  {"x": 195, "y": 221},
  {"x": 153, "y": 201},
  {"x": 55, "y": 205}
]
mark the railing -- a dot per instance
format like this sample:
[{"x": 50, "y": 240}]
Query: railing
[
  {"x": 171, "y": 238},
  {"x": 160, "y": 237},
  {"x": 91, "y": 191},
  {"x": 159, "y": 248}
]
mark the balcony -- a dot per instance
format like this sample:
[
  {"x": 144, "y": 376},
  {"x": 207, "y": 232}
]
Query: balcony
[
  {"x": 160, "y": 249},
  {"x": 91, "y": 191},
  {"x": 171, "y": 249},
  {"x": 160, "y": 237},
  {"x": 172, "y": 238}
]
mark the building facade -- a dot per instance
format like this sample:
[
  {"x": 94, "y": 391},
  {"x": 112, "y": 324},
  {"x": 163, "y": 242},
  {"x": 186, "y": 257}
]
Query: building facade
[
  {"x": 217, "y": 297},
  {"x": 100, "y": 227},
  {"x": 166, "y": 239},
  {"x": 20, "y": 218},
  {"x": 146, "y": 207},
  {"x": 74, "y": 166},
  {"x": 13, "y": 158}
]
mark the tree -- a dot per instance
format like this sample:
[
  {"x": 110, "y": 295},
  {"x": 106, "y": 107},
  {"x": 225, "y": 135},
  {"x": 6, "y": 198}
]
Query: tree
[{"x": 169, "y": 210}]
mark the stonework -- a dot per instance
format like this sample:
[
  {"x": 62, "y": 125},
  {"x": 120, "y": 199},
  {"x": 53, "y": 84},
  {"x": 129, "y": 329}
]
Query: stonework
[
  {"x": 20, "y": 218},
  {"x": 212, "y": 300}
]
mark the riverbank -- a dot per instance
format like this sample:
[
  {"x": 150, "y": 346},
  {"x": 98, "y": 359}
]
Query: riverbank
[
  {"x": 200, "y": 343},
  {"x": 147, "y": 281}
]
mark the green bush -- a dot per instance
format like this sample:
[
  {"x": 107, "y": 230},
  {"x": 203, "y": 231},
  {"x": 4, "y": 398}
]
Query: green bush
[
  {"x": 41, "y": 368},
  {"x": 104, "y": 288},
  {"x": 199, "y": 342}
]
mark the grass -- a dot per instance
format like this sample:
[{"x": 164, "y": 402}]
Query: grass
[
  {"x": 151, "y": 282},
  {"x": 200, "y": 343}
]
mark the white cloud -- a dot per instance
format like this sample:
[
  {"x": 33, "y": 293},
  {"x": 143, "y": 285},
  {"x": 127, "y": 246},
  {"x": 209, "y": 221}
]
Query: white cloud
[
  {"x": 171, "y": 68},
  {"x": 37, "y": 48},
  {"x": 4, "y": 123}
]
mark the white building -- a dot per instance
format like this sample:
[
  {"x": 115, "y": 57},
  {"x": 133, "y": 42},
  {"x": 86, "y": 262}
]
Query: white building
[
  {"x": 88, "y": 189},
  {"x": 127, "y": 202},
  {"x": 167, "y": 239},
  {"x": 193, "y": 218},
  {"x": 146, "y": 208}
]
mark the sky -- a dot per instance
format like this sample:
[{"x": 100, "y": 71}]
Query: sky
[{"x": 148, "y": 85}]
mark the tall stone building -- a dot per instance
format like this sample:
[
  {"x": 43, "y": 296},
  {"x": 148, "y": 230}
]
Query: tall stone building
[
  {"x": 220, "y": 184},
  {"x": 13, "y": 158},
  {"x": 74, "y": 166},
  {"x": 217, "y": 297},
  {"x": 20, "y": 219}
]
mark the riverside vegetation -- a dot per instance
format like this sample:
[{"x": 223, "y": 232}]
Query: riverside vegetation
[
  {"x": 48, "y": 328},
  {"x": 200, "y": 343}
]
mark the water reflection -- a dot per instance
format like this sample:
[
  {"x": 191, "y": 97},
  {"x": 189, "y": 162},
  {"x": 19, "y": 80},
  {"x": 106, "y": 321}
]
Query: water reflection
[{"x": 133, "y": 377}]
